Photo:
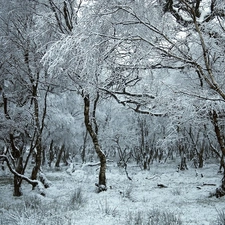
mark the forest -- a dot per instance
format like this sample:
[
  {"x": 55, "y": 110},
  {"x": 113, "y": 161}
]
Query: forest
[{"x": 132, "y": 83}]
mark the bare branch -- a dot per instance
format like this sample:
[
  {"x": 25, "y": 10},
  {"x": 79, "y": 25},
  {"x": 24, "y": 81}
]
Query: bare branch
[{"x": 130, "y": 101}]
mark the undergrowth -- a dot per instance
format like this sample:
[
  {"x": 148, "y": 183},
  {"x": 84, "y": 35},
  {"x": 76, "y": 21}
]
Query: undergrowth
[
  {"x": 220, "y": 217},
  {"x": 152, "y": 217}
]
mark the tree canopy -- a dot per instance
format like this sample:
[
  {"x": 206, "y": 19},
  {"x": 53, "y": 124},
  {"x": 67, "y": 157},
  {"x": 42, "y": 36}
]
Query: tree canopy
[{"x": 145, "y": 79}]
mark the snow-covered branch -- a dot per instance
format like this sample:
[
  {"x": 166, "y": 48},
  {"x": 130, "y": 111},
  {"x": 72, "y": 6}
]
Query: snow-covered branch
[{"x": 32, "y": 182}]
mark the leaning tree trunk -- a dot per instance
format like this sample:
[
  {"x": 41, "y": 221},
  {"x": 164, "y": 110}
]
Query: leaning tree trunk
[
  {"x": 221, "y": 190},
  {"x": 102, "y": 177},
  {"x": 16, "y": 153}
]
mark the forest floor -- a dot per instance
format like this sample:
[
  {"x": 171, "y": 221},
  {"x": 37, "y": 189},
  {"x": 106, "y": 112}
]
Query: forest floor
[{"x": 72, "y": 197}]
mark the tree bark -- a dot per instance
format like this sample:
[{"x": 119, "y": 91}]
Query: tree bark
[
  {"x": 59, "y": 155},
  {"x": 18, "y": 180},
  {"x": 83, "y": 151},
  {"x": 16, "y": 154},
  {"x": 183, "y": 163},
  {"x": 37, "y": 159},
  {"x": 221, "y": 190},
  {"x": 102, "y": 173},
  {"x": 51, "y": 154},
  {"x": 38, "y": 154},
  {"x": 219, "y": 136}
]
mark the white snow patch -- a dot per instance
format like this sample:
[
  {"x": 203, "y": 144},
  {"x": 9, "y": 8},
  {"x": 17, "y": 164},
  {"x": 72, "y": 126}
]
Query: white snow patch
[{"x": 186, "y": 194}]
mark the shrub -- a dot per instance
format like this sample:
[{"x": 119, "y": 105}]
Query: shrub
[
  {"x": 106, "y": 209},
  {"x": 127, "y": 192},
  {"x": 32, "y": 202},
  {"x": 77, "y": 199},
  {"x": 176, "y": 191}
]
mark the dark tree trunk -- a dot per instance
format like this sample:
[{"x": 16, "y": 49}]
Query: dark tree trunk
[
  {"x": 17, "y": 180},
  {"x": 200, "y": 157},
  {"x": 220, "y": 139},
  {"x": 37, "y": 160},
  {"x": 221, "y": 190},
  {"x": 51, "y": 154},
  {"x": 222, "y": 164},
  {"x": 83, "y": 153},
  {"x": 66, "y": 157},
  {"x": 102, "y": 173},
  {"x": 43, "y": 156},
  {"x": 16, "y": 153},
  {"x": 38, "y": 156},
  {"x": 17, "y": 186},
  {"x": 183, "y": 163},
  {"x": 59, "y": 155}
]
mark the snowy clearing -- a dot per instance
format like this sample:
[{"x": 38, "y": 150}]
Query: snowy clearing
[{"x": 72, "y": 198}]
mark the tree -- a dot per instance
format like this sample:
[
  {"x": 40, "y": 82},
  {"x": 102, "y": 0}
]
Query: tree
[
  {"x": 81, "y": 69},
  {"x": 187, "y": 39},
  {"x": 22, "y": 91}
]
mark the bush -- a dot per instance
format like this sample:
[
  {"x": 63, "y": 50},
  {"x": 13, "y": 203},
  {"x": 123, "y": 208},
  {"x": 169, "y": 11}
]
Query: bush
[
  {"x": 77, "y": 199},
  {"x": 106, "y": 209},
  {"x": 127, "y": 193},
  {"x": 32, "y": 202}
]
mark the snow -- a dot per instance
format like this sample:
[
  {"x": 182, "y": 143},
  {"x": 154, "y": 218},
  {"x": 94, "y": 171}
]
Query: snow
[{"x": 186, "y": 196}]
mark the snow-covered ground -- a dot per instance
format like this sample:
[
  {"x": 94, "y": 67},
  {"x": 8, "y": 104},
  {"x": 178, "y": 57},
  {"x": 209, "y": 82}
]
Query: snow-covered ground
[{"x": 186, "y": 196}]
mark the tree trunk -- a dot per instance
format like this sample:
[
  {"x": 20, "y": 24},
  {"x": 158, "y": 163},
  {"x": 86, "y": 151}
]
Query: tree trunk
[
  {"x": 43, "y": 156},
  {"x": 102, "y": 173},
  {"x": 65, "y": 157},
  {"x": 59, "y": 155},
  {"x": 51, "y": 154},
  {"x": 220, "y": 138},
  {"x": 38, "y": 155},
  {"x": 37, "y": 159},
  {"x": 200, "y": 157},
  {"x": 83, "y": 152},
  {"x": 17, "y": 180},
  {"x": 17, "y": 186},
  {"x": 183, "y": 163},
  {"x": 221, "y": 190},
  {"x": 16, "y": 154}
]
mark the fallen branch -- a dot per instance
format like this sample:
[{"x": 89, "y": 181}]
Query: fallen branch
[
  {"x": 153, "y": 177},
  {"x": 95, "y": 164},
  {"x": 205, "y": 184},
  {"x": 162, "y": 186},
  {"x": 91, "y": 164}
]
